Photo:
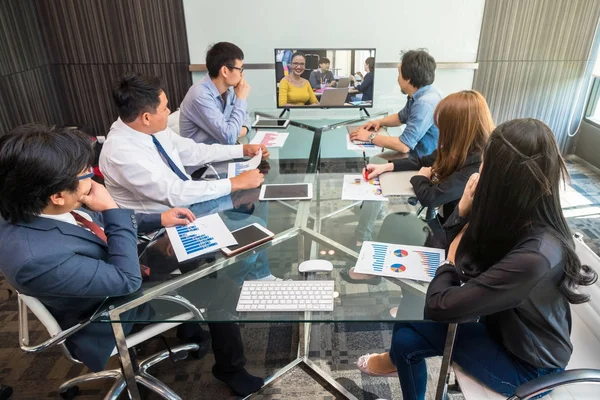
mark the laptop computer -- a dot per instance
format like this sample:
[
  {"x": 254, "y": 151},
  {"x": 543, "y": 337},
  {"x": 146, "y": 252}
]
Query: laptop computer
[
  {"x": 343, "y": 83},
  {"x": 333, "y": 97},
  {"x": 397, "y": 183}
]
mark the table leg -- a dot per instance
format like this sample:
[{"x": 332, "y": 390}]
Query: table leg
[
  {"x": 442, "y": 387},
  {"x": 126, "y": 363}
]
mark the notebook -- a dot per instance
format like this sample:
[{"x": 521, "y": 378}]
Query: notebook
[{"x": 397, "y": 183}]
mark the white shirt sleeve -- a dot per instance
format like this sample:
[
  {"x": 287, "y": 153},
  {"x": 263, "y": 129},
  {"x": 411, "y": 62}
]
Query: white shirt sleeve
[
  {"x": 194, "y": 154},
  {"x": 161, "y": 185}
]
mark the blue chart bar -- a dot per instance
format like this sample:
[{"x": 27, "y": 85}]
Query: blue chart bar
[
  {"x": 193, "y": 242},
  {"x": 241, "y": 167},
  {"x": 379, "y": 253},
  {"x": 431, "y": 262}
]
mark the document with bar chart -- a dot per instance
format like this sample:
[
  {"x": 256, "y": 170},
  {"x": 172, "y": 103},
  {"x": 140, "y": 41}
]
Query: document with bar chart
[
  {"x": 270, "y": 139},
  {"x": 399, "y": 261},
  {"x": 204, "y": 235}
]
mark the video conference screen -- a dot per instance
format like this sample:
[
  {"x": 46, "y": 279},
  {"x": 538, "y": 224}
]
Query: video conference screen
[{"x": 326, "y": 78}]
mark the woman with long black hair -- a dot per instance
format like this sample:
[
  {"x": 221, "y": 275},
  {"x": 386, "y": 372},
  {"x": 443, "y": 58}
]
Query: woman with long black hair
[{"x": 511, "y": 264}]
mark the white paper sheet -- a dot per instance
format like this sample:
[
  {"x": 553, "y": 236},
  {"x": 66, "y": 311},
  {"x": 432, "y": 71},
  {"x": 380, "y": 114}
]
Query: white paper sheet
[
  {"x": 399, "y": 261},
  {"x": 357, "y": 188},
  {"x": 361, "y": 146},
  {"x": 236, "y": 168},
  {"x": 270, "y": 139},
  {"x": 204, "y": 235}
]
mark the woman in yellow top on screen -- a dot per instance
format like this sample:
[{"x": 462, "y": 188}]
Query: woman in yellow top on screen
[{"x": 294, "y": 90}]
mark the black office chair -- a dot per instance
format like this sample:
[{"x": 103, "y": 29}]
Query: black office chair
[
  {"x": 429, "y": 214},
  {"x": 5, "y": 392}
]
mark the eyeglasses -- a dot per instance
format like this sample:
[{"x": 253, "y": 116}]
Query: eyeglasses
[
  {"x": 297, "y": 64},
  {"x": 238, "y": 68},
  {"x": 90, "y": 174}
]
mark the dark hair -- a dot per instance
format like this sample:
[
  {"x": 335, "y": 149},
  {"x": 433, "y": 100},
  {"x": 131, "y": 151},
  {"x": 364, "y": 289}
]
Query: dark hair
[
  {"x": 296, "y": 54},
  {"x": 370, "y": 61},
  {"x": 37, "y": 162},
  {"x": 324, "y": 60},
  {"x": 135, "y": 94},
  {"x": 418, "y": 67},
  {"x": 222, "y": 54},
  {"x": 519, "y": 189}
]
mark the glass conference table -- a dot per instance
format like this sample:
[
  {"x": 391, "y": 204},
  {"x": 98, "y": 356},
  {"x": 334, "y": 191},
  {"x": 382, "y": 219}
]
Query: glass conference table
[{"x": 315, "y": 152}]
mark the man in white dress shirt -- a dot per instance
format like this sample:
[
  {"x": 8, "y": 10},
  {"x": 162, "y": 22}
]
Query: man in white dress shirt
[
  {"x": 143, "y": 162},
  {"x": 138, "y": 173}
]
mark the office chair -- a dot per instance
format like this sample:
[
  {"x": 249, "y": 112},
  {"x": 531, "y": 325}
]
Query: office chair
[
  {"x": 584, "y": 366},
  {"x": 70, "y": 389},
  {"x": 429, "y": 214},
  {"x": 5, "y": 392}
]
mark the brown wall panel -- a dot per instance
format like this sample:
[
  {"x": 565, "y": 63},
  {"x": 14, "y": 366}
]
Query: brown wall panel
[
  {"x": 60, "y": 57},
  {"x": 533, "y": 58},
  {"x": 89, "y": 104}
]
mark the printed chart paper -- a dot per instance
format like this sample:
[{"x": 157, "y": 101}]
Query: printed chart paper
[
  {"x": 236, "y": 168},
  {"x": 359, "y": 145},
  {"x": 399, "y": 261},
  {"x": 204, "y": 235},
  {"x": 357, "y": 188},
  {"x": 270, "y": 139}
]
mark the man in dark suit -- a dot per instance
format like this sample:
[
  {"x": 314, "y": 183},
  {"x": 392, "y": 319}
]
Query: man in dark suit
[{"x": 72, "y": 259}]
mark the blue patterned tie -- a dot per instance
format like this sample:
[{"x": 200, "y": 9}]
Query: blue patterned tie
[{"x": 173, "y": 166}]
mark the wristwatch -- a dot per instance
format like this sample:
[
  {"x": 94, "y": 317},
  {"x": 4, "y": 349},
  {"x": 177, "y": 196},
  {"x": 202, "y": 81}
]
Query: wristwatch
[{"x": 372, "y": 136}]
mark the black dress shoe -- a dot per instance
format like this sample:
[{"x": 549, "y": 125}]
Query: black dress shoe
[{"x": 240, "y": 381}]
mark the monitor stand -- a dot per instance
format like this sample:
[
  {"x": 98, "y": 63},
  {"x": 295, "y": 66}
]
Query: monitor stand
[
  {"x": 365, "y": 110},
  {"x": 283, "y": 112}
]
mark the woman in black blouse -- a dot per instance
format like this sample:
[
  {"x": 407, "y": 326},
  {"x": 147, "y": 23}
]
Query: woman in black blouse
[
  {"x": 465, "y": 122},
  {"x": 511, "y": 263}
]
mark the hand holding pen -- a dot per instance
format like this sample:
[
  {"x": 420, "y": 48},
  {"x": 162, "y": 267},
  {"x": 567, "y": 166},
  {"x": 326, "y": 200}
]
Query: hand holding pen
[{"x": 365, "y": 172}]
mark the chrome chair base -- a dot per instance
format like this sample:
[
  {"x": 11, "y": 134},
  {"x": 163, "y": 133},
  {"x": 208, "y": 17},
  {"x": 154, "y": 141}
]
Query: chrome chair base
[{"x": 142, "y": 376}]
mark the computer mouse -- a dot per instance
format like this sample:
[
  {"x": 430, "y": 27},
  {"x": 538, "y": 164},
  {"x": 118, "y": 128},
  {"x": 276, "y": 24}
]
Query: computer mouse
[{"x": 315, "y": 266}]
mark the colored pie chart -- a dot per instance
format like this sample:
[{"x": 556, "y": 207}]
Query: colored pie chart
[
  {"x": 398, "y": 268},
  {"x": 400, "y": 253}
]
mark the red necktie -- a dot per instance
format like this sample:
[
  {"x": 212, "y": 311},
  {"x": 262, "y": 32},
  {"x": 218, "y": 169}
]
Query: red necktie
[
  {"x": 96, "y": 230},
  {"x": 92, "y": 226}
]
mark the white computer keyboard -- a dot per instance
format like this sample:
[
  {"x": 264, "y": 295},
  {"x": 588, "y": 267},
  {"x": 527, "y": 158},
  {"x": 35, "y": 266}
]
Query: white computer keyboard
[{"x": 286, "y": 296}]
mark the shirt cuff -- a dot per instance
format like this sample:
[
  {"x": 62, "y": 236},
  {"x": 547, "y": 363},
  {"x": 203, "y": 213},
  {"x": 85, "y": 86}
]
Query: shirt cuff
[
  {"x": 241, "y": 104},
  {"x": 223, "y": 187},
  {"x": 406, "y": 144},
  {"x": 236, "y": 151}
]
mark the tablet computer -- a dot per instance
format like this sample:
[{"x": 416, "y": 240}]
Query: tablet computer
[
  {"x": 271, "y": 123},
  {"x": 247, "y": 237},
  {"x": 287, "y": 191}
]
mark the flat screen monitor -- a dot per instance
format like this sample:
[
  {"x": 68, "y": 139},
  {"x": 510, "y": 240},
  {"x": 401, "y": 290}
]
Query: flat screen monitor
[{"x": 325, "y": 78}]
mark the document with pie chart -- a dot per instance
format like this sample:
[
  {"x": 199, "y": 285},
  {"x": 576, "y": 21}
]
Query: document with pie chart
[{"x": 399, "y": 261}]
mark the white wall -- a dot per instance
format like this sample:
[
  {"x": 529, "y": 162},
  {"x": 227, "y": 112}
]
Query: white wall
[{"x": 449, "y": 29}]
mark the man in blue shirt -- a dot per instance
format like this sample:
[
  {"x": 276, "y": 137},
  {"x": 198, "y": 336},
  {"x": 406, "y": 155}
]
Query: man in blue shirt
[
  {"x": 215, "y": 109},
  {"x": 416, "y": 73}
]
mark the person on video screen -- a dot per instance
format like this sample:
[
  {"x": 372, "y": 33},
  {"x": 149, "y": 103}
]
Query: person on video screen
[{"x": 294, "y": 90}]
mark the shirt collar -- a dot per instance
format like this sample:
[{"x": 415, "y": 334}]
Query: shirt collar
[
  {"x": 67, "y": 217},
  {"x": 420, "y": 92},
  {"x": 210, "y": 85},
  {"x": 123, "y": 127}
]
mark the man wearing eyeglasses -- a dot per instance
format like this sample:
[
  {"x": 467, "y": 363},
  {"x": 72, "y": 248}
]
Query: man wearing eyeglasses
[{"x": 214, "y": 110}]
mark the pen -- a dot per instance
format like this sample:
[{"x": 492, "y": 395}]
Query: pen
[{"x": 366, "y": 172}]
